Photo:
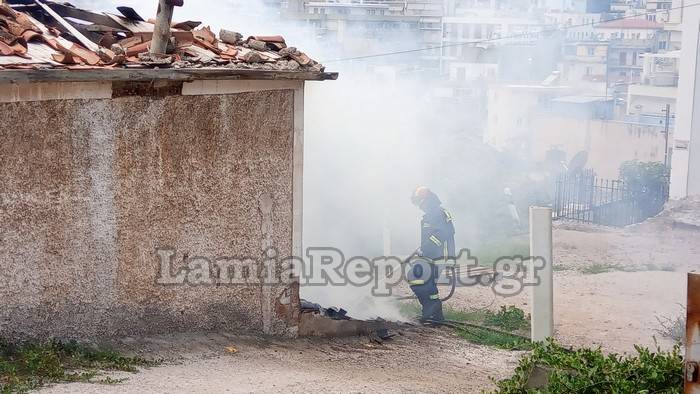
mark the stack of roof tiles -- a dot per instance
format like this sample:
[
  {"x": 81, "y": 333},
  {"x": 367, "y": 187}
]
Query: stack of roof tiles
[{"x": 39, "y": 34}]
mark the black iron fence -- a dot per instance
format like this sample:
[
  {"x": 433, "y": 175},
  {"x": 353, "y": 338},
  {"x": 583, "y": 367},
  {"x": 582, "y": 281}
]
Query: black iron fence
[{"x": 584, "y": 197}]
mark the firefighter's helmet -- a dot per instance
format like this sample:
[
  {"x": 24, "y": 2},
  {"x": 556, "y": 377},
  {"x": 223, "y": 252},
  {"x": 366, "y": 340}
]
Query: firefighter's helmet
[{"x": 419, "y": 195}]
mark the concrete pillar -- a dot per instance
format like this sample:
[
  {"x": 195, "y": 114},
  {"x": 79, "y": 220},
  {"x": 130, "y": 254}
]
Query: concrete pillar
[
  {"x": 685, "y": 162},
  {"x": 386, "y": 235},
  {"x": 542, "y": 302}
]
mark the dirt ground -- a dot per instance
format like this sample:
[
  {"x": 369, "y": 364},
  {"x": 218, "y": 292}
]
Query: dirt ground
[
  {"x": 421, "y": 360},
  {"x": 610, "y": 287}
]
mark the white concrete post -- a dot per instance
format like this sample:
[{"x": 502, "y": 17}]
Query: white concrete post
[
  {"x": 542, "y": 303},
  {"x": 386, "y": 237}
]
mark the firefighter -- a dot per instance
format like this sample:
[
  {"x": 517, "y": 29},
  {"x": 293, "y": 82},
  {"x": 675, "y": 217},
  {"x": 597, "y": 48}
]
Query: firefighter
[{"x": 437, "y": 243}]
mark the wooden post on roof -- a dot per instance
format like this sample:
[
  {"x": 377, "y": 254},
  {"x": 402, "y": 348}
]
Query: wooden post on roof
[{"x": 161, "y": 32}]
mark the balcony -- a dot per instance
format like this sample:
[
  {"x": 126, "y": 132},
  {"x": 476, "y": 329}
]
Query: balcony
[{"x": 661, "y": 79}]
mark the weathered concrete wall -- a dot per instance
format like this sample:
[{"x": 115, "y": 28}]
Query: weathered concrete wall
[{"x": 90, "y": 189}]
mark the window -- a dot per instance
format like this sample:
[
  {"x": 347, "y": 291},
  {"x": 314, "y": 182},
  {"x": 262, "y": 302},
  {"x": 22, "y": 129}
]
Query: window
[
  {"x": 623, "y": 58},
  {"x": 662, "y": 45},
  {"x": 477, "y": 32},
  {"x": 591, "y": 51},
  {"x": 465, "y": 31},
  {"x": 371, "y": 12},
  {"x": 461, "y": 74},
  {"x": 489, "y": 31}
]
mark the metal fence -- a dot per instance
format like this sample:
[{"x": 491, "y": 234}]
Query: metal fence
[{"x": 585, "y": 198}]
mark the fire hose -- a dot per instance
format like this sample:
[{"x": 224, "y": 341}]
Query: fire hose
[{"x": 451, "y": 270}]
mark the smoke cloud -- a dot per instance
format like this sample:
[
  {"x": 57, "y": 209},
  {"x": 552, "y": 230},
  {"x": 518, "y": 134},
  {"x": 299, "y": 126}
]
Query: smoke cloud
[{"x": 370, "y": 138}]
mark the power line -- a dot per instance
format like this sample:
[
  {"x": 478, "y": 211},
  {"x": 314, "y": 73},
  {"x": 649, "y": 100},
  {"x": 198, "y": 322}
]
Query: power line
[{"x": 520, "y": 35}]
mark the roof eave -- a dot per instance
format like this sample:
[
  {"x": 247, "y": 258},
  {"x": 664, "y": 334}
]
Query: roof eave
[{"x": 140, "y": 75}]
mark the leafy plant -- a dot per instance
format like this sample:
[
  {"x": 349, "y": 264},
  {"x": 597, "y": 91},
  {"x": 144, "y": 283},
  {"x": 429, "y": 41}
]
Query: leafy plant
[
  {"x": 590, "y": 371},
  {"x": 28, "y": 366},
  {"x": 509, "y": 318},
  {"x": 510, "y": 325},
  {"x": 639, "y": 175},
  {"x": 647, "y": 183}
]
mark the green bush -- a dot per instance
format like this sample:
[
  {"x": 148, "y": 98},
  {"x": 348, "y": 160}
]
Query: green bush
[
  {"x": 510, "y": 318},
  {"x": 639, "y": 175},
  {"x": 28, "y": 366},
  {"x": 590, "y": 371}
]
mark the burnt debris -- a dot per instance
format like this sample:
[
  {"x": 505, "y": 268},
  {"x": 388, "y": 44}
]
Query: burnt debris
[{"x": 36, "y": 34}]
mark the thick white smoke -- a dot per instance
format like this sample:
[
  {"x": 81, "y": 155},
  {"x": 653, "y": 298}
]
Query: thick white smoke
[{"x": 371, "y": 138}]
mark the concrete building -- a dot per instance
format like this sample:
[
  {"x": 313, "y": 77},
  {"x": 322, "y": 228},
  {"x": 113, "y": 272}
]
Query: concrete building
[
  {"x": 578, "y": 26},
  {"x": 362, "y": 26},
  {"x": 585, "y": 65},
  {"x": 574, "y": 124},
  {"x": 577, "y": 6},
  {"x": 628, "y": 29},
  {"x": 658, "y": 87},
  {"x": 128, "y": 190},
  {"x": 532, "y": 121},
  {"x": 685, "y": 167},
  {"x": 510, "y": 114}
]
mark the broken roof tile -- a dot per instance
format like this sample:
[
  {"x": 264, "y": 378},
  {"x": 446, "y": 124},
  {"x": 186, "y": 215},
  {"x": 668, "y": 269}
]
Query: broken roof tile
[{"x": 74, "y": 38}]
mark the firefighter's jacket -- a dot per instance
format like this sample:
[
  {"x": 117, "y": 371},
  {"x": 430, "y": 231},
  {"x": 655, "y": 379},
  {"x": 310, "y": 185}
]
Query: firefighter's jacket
[{"x": 437, "y": 234}]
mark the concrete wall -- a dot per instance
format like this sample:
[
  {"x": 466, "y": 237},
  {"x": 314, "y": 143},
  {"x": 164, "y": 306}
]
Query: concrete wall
[
  {"x": 608, "y": 143},
  {"x": 92, "y": 186}
]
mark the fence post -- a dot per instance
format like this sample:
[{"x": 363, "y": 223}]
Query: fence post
[
  {"x": 542, "y": 302},
  {"x": 692, "y": 335}
]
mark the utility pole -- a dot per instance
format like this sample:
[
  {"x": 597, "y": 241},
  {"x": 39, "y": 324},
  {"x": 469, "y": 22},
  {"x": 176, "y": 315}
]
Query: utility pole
[
  {"x": 667, "y": 110},
  {"x": 161, "y": 32}
]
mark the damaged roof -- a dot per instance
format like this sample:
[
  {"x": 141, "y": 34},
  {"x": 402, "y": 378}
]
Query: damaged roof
[{"x": 76, "y": 44}]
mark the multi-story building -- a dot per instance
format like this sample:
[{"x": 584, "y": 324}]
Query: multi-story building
[
  {"x": 585, "y": 65},
  {"x": 358, "y": 27},
  {"x": 658, "y": 88},
  {"x": 659, "y": 10},
  {"x": 577, "y": 26},
  {"x": 627, "y": 40},
  {"x": 576, "y": 6}
]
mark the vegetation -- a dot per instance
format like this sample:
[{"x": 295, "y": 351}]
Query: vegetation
[
  {"x": 28, "y": 366},
  {"x": 647, "y": 183},
  {"x": 673, "y": 327},
  {"x": 510, "y": 323},
  {"x": 590, "y": 371},
  {"x": 641, "y": 176}
]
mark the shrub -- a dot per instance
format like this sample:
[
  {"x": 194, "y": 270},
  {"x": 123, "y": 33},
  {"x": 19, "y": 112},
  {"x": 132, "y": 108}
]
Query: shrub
[{"x": 592, "y": 371}]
